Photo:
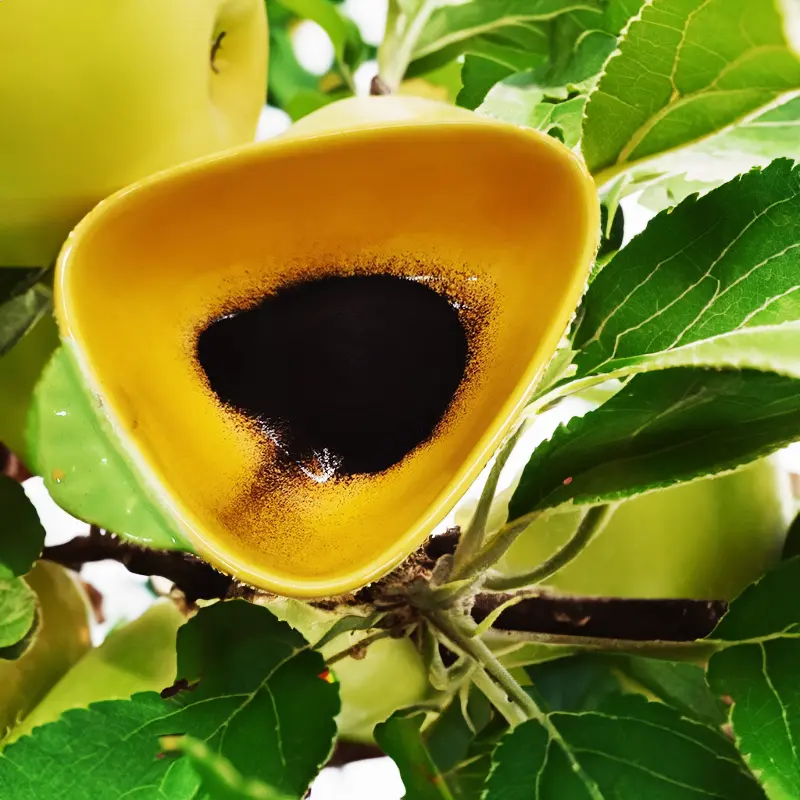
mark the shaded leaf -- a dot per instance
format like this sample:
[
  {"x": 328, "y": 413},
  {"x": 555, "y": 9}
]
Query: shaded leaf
[
  {"x": 248, "y": 685},
  {"x": 677, "y": 683},
  {"x": 21, "y": 533},
  {"x": 551, "y": 97},
  {"x": 17, "y": 616},
  {"x": 400, "y": 738},
  {"x": 24, "y": 298},
  {"x": 727, "y": 261},
  {"x": 348, "y": 624},
  {"x": 432, "y": 32},
  {"x": 661, "y": 429},
  {"x": 219, "y": 778},
  {"x": 685, "y": 70},
  {"x": 759, "y": 673},
  {"x": 454, "y": 22},
  {"x": 478, "y": 75},
  {"x": 576, "y": 683},
  {"x": 638, "y": 749}
]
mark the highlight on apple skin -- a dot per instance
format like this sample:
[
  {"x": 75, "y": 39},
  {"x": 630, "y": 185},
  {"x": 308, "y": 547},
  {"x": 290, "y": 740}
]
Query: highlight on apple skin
[{"x": 103, "y": 94}]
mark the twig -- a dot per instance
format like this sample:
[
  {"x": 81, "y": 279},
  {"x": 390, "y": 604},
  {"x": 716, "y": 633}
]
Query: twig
[
  {"x": 193, "y": 576},
  {"x": 592, "y": 523},
  {"x": 495, "y": 548},
  {"x": 497, "y": 697},
  {"x": 359, "y": 647},
  {"x": 459, "y": 634},
  {"x": 473, "y": 537},
  {"x": 605, "y": 618}
]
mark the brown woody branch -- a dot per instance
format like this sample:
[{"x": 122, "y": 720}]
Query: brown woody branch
[
  {"x": 193, "y": 576},
  {"x": 603, "y": 618}
]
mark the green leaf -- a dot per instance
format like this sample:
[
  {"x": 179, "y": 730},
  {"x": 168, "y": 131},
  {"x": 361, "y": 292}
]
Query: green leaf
[
  {"x": 21, "y": 533},
  {"x": 219, "y": 778},
  {"x": 769, "y": 348},
  {"x": 678, "y": 684},
  {"x": 450, "y": 737},
  {"x": 73, "y": 447},
  {"x": 685, "y": 70},
  {"x": 522, "y": 102},
  {"x": 758, "y": 672},
  {"x": 348, "y": 624},
  {"x": 478, "y": 75},
  {"x": 552, "y": 97},
  {"x": 434, "y": 31},
  {"x": 248, "y": 685},
  {"x": 400, "y": 738},
  {"x": 453, "y": 756},
  {"x": 24, "y": 298},
  {"x": 726, "y": 262},
  {"x": 452, "y": 22},
  {"x": 576, "y": 683},
  {"x": 17, "y": 616},
  {"x": 699, "y": 168},
  {"x": 636, "y": 750},
  {"x": 661, "y": 429}
]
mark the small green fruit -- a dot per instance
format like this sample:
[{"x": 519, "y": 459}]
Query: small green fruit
[
  {"x": 390, "y": 675},
  {"x": 138, "y": 657},
  {"x": 707, "y": 539},
  {"x": 62, "y": 638}
]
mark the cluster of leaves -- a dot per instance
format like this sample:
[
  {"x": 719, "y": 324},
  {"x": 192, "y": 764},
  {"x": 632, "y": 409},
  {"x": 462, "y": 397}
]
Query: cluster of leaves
[
  {"x": 252, "y": 716},
  {"x": 696, "y": 320}
]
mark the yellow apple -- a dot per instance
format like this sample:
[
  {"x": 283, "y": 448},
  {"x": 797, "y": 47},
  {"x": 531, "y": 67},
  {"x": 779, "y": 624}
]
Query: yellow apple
[{"x": 96, "y": 95}]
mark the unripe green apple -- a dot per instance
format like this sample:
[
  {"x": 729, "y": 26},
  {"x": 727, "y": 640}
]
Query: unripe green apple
[
  {"x": 62, "y": 638},
  {"x": 138, "y": 657},
  {"x": 390, "y": 675},
  {"x": 707, "y": 539},
  {"x": 96, "y": 95}
]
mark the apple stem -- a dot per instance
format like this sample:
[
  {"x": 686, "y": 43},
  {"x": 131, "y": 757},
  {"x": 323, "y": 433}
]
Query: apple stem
[
  {"x": 590, "y": 526},
  {"x": 460, "y": 632},
  {"x": 475, "y": 534}
]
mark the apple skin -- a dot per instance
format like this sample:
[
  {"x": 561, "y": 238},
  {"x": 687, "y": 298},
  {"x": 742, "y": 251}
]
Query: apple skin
[
  {"x": 97, "y": 95},
  {"x": 62, "y": 639},
  {"x": 389, "y": 676},
  {"x": 704, "y": 540},
  {"x": 138, "y": 657}
]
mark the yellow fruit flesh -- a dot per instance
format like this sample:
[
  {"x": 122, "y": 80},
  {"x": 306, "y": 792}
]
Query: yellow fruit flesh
[
  {"x": 96, "y": 95},
  {"x": 519, "y": 224}
]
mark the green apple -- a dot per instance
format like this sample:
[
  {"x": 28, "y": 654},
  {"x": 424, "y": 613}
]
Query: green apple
[
  {"x": 138, "y": 657},
  {"x": 97, "y": 94},
  {"x": 707, "y": 539},
  {"x": 62, "y": 638},
  {"x": 390, "y": 675}
]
